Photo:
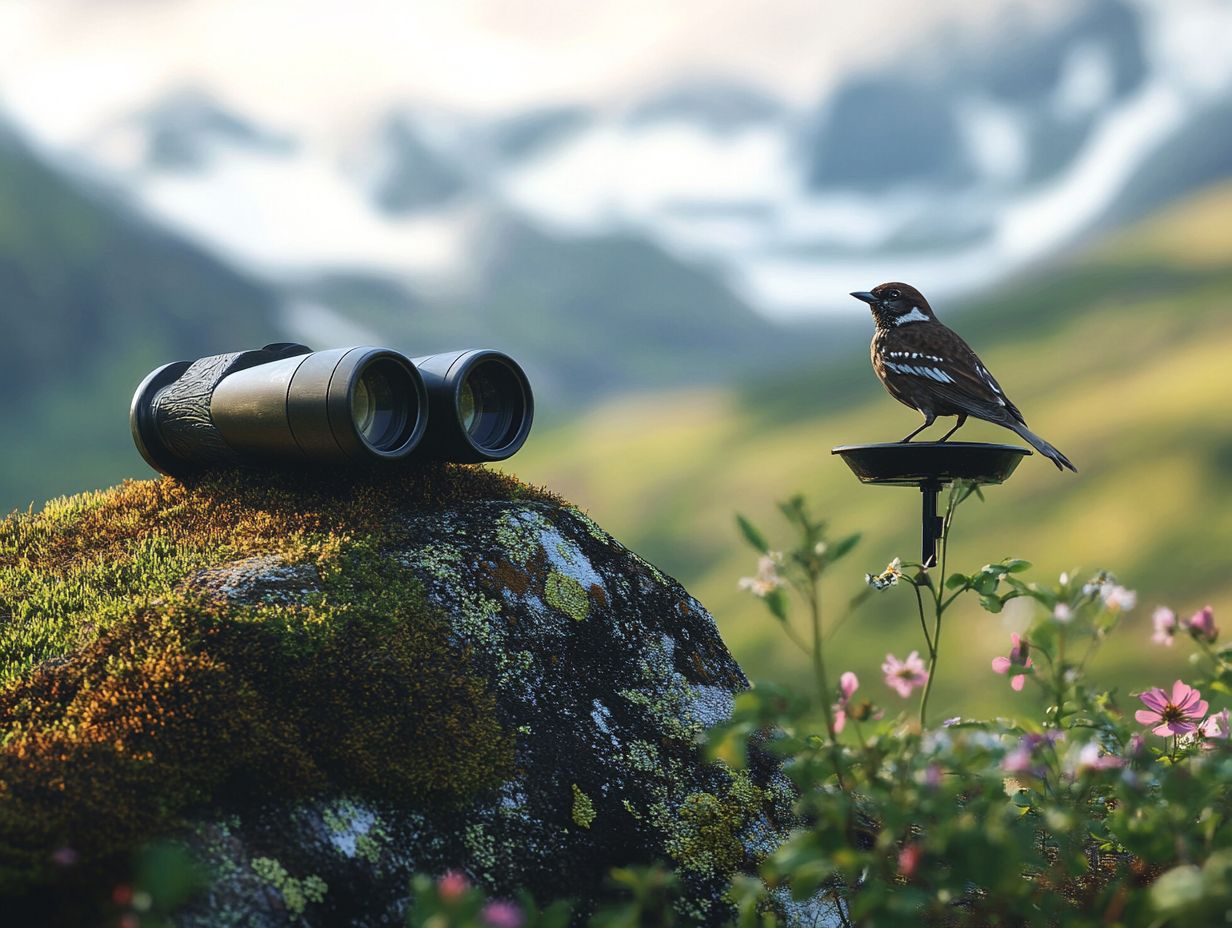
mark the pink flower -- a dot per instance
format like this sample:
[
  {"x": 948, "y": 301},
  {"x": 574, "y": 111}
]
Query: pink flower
[
  {"x": 1025, "y": 758},
  {"x": 848, "y": 683},
  {"x": 500, "y": 914},
  {"x": 1091, "y": 757},
  {"x": 452, "y": 886},
  {"x": 1216, "y": 726},
  {"x": 1202, "y": 625},
  {"x": 904, "y": 676},
  {"x": 909, "y": 860},
  {"x": 1164, "y": 620},
  {"x": 1177, "y": 714},
  {"x": 1018, "y": 658}
]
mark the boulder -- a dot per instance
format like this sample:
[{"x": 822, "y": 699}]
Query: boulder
[{"x": 321, "y": 689}]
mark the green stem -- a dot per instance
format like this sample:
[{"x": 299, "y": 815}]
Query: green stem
[
  {"x": 933, "y": 652},
  {"x": 940, "y": 604},
  {"x": 819, "y": 666}
]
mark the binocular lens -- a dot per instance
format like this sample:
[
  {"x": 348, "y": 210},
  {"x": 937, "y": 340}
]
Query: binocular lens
[
  {"x": 380, "y": 405},
  {"x": 486, "y": 403}
]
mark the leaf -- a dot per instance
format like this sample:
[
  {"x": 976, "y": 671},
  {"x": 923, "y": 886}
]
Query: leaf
[
  {"x": 776, "y": 602},
  {"x": 751, "y": 534},
  {"x": 985, "y": 584},
  {"x": 991, "y": 604},
  {"x": 956, "y": 580},
  {"x": 840, "y": 548},
  {"x": 1016, "y": 565}
]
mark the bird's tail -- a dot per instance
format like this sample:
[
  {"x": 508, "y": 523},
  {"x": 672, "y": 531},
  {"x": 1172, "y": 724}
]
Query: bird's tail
[{"x": 1043, "y": 447}]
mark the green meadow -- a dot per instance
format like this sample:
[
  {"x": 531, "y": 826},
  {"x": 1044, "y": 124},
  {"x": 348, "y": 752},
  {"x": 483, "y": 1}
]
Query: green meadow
[{"x": 1121, "y": 355}]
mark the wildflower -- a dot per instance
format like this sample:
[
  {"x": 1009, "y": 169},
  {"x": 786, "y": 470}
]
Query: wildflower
[
  {"x": 768, "y": 579},
  {"x": 1216, "y": 726},
  {"x": 64, "y": 856},
  {"x": 1064, "y": 578},
  {"x": 1095, "y": 586},
  {"x": 1018, "y": 658},
  {"x": 1117, "y": 598},
  {"x": 888, "y": 577},
  {"x": 848, "y": 683},
  {"x": 452, "y": 886},
  {"x": 1177, "y": 714},
  {"x": 1164, "y": 620},
  {"x": 1025, "y": 757},
  {"x": 1091, "y": 757},
  {"x": 904, "y": 676},
  {"x": 1062, "y": 612},
  {"x": 909, "y": 859},
  {"x": 820, "y": 548},
  {"x": 1202, "y": 625},
  {"x": 501, "y": 914},
  {"x": 952, "y": 721}
]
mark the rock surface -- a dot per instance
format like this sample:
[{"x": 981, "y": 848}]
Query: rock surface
[{"x": 478, "y": 679}]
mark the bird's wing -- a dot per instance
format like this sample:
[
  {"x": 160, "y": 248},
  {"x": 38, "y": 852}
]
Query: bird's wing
[{"x": 954, "y": 373}]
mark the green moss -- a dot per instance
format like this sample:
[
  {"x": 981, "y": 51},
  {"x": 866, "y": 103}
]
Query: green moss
[
  {"x": 363, "y": 826},
  {"x": 583, "y": 808},
  {"x": 567, "y": 595},
  {"x": 129, "y": 697},
  {"x": 519, "y": 534},
  {"x": 705, "y": 833},
  {"x": 296, "y": 893}
]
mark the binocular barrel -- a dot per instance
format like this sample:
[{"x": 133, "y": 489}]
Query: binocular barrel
[{"x": 286, "y": 404}]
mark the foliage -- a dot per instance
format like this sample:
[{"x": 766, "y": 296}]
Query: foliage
[{"x": 1070, "y": 814}]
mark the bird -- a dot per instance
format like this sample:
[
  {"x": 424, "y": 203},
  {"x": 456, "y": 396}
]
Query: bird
[{"x": 926, "y": 365}]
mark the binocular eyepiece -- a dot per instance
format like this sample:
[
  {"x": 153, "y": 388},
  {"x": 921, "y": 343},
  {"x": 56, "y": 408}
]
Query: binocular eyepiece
[{"x": 287, "y": 404}]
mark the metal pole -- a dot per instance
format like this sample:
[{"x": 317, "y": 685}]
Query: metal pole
[{"x": 931, "y": 524}]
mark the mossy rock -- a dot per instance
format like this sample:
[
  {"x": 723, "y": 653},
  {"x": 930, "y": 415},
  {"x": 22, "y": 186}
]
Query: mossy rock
[{"x": 319, "y": 688}]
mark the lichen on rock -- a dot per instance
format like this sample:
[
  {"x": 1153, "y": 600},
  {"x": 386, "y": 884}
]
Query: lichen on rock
[{"x": 323, "y": 688}]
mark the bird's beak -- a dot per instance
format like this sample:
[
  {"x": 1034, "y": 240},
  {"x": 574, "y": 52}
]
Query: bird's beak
[{"x": 865, "y": 296}]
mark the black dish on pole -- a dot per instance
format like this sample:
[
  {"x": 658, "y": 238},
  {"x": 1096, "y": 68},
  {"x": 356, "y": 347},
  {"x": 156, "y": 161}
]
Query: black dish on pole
[{"x": 931, "y": 466}]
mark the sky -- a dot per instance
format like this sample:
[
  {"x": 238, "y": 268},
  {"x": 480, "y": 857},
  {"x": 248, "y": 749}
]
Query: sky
[{"x": 322, "y": 67}]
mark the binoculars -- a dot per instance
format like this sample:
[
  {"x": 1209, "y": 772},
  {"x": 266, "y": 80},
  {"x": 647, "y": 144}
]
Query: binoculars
[{"x": 286, "y": 404}]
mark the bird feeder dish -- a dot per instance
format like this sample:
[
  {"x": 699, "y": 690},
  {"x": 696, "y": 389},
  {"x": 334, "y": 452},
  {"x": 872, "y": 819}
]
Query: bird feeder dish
[
  {"x": 916, "y": 463},
  {"x": 931, "y": 466}
]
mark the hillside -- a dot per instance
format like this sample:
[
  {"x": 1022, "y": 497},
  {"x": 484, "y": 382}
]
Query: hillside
[
  {"x": 1111, "y": 353},
  {"x": 90, "y": 299}
]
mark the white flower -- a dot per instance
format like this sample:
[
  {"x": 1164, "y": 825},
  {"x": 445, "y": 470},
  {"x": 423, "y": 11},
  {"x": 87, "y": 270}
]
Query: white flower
[
  {"x": 1062, "y": 612},
  {"x": 1117, "y": 597},
  {"x": 888, "y": 577},
  {"x": 767, "y": 579},
  {"x": 820, "y": 548}
]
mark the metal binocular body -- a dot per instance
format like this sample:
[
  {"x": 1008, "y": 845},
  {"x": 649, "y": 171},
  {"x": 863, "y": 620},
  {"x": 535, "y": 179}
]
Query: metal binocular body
[{"x": 286, "y": 404}]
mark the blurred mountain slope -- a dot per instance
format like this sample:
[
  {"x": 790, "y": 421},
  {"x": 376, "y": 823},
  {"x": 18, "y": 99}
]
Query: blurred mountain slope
[
  {"x": 1117, "y": 355},
  {"x": 91, "y": 298}
]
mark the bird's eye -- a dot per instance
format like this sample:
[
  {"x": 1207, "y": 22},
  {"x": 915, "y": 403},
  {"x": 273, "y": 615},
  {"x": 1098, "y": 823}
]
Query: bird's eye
[{"x": 893, "y": 294}]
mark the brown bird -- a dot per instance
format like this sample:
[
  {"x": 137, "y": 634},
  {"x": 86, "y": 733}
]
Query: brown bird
[{"x": 927, "y": 366}]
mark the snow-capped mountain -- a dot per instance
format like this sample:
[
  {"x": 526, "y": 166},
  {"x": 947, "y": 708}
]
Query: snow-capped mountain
[{"x": 954, "y": 164}]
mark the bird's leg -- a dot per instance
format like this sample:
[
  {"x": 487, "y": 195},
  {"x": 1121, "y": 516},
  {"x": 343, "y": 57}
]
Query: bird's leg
[
  {"x": 929, "y": 419},
  {"x": 962, "y": 418}
]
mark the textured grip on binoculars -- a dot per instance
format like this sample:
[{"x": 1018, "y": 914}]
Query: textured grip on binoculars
[{"x": 182, "y": 411}]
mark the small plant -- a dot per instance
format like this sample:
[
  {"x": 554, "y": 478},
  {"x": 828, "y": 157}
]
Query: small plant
[{"x": 1078, "y": 813}]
